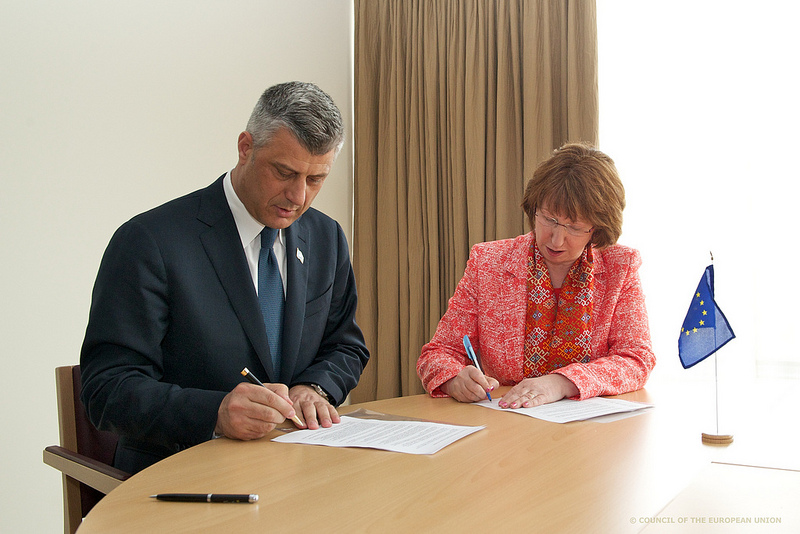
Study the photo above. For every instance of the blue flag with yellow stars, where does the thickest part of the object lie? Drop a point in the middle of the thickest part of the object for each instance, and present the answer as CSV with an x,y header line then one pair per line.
x,y
705,328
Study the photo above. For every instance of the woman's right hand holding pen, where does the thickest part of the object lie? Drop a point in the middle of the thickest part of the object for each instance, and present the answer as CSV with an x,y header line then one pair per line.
x,y
469,385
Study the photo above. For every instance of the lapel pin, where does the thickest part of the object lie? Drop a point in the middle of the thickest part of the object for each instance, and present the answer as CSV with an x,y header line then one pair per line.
x,y
300,256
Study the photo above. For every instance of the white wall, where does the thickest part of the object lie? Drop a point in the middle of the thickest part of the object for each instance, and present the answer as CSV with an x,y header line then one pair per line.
x,y
699,109
108,109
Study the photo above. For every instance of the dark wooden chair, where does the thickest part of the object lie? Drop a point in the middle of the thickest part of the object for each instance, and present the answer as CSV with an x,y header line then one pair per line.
x,y
85,455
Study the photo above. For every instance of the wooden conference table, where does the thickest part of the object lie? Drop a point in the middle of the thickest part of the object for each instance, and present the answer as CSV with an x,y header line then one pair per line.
x,y
518,472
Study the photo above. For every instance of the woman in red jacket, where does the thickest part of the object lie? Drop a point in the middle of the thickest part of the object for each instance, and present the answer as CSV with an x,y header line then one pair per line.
x,y
558,312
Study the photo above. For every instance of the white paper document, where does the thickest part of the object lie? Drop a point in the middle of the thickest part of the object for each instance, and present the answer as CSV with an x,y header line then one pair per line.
x,y
412,437
567,410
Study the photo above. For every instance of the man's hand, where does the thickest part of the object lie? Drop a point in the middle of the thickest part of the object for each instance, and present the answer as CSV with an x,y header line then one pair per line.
x,y
250,411
314,410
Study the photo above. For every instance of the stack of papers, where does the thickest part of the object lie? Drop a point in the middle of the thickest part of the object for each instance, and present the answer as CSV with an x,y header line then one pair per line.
x,y
567,410
412,437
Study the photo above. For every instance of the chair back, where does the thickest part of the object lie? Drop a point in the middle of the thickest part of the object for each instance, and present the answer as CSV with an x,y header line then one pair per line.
x,y
78,435
96,444
85,456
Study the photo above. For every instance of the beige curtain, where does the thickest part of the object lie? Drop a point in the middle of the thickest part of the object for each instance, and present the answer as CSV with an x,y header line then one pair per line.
x,y
456,101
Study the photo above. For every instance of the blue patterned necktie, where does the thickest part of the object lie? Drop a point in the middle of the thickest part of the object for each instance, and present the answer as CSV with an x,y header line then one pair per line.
x,y
270,296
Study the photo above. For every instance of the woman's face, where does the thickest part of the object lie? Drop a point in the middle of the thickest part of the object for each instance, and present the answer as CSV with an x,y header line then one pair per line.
x,y
560,240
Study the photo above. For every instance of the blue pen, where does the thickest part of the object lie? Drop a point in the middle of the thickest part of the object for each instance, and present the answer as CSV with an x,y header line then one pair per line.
x,y
471,356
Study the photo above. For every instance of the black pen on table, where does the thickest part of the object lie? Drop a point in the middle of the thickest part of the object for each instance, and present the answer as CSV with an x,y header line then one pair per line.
x,y
207,497
253,380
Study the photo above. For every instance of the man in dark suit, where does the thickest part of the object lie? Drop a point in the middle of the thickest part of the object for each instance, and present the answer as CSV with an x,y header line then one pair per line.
x,y
176,313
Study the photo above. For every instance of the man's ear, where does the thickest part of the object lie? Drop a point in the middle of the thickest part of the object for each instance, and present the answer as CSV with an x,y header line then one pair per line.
x,y
245,146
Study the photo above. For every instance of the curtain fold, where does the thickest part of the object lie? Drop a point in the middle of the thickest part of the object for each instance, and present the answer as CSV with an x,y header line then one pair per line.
x,y
456,102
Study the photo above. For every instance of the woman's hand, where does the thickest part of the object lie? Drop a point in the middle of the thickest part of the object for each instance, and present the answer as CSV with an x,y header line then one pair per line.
x,y
537,391
470,385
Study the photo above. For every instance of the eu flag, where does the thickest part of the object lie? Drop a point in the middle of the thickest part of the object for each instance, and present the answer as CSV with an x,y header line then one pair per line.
x,y
705,328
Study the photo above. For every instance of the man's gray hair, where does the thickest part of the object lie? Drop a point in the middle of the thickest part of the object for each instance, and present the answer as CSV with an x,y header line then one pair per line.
x,y
305,110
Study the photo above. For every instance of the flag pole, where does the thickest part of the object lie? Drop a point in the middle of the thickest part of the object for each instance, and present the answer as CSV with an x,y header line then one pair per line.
x,y
716,385
716,439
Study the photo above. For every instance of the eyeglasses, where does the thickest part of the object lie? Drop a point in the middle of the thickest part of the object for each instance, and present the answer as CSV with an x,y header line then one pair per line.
x,y
550,222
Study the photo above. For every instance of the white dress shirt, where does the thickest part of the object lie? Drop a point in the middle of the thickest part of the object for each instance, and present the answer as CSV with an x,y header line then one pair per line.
x,y
250,234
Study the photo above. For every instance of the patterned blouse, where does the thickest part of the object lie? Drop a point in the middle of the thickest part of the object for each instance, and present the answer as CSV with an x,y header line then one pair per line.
x,y
489,306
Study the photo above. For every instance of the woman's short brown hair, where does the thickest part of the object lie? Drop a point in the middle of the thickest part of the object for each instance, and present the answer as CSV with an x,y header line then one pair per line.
x,y
579,182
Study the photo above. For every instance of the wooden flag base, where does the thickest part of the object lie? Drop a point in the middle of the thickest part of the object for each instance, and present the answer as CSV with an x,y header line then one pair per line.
x,y
717,439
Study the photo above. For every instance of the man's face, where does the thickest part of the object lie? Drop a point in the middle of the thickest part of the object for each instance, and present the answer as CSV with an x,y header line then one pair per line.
x,y
278,182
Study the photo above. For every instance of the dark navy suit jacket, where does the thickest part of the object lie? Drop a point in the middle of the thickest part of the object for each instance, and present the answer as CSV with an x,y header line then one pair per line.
x,y
175,318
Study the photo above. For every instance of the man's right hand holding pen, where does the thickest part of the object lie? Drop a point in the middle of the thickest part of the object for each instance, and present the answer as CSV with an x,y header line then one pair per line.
x,y
251,412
